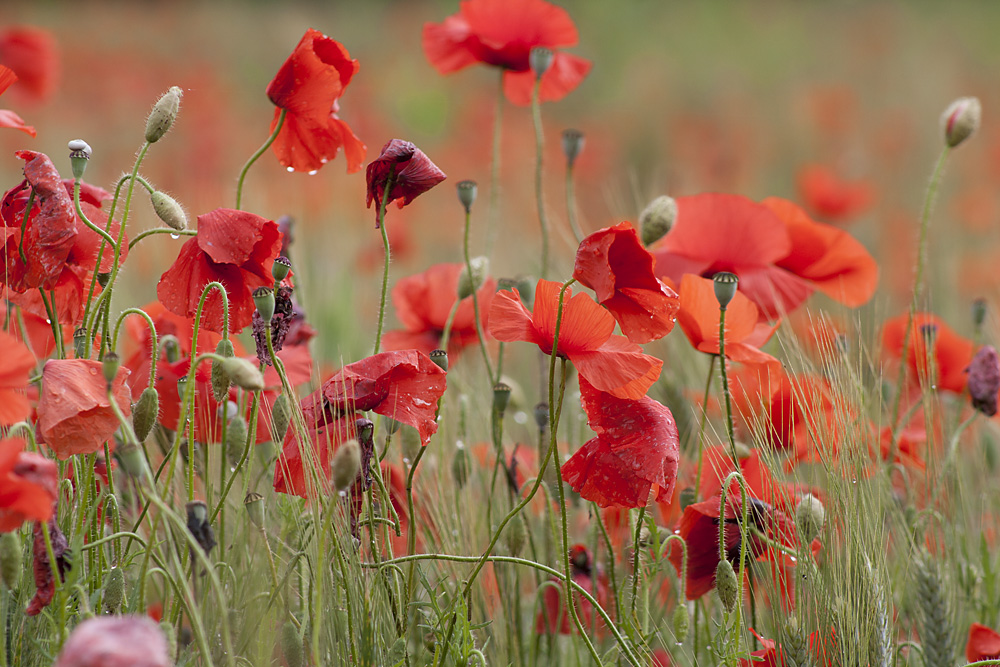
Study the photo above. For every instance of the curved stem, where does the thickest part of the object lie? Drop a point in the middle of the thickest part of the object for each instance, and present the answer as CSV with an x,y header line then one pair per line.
x,y
635,560
385,266
701,428
154,350
256,156
161,230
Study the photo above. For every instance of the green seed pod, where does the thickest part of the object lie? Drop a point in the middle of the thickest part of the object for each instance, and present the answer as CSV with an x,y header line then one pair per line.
x,y
540,60
110,365
79,156
168,210
254,505
163,115
236,438
467,194
682,621
345,465
501,397
10,559
516,535
460,467
810,516
220,379
263,299
440,357
725,284
282,265
572,145
144,412
726,585
114,590
291,645
281,415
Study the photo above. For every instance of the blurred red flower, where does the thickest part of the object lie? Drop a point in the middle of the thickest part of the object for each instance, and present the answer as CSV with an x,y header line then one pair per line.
x,y
17,364
935,354
31,53
423,302
636,449
502,33
412,172
614,263
830,197
554,614
28,485
74,412
984,643
7,117
307,87
232,247
610,363
769,656
115,641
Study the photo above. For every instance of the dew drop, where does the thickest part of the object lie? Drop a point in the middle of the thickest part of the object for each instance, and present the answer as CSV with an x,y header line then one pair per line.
x,y
454,533
48,321
521,417
314,172
175,236
290,170
342,494
406,461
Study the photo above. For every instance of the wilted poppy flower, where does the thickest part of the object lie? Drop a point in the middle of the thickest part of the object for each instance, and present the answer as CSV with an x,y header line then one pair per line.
x,y
15,367
74,413
307,87
412,173
984,643
554,614
984,380
28,485
614,263
232,247
115,641
423,302
31,53
502,33
45,586
936,354
7,117
830,197
636,449
610,363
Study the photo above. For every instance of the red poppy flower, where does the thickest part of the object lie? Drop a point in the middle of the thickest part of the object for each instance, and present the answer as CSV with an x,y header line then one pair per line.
x,y
307,87
769,656
28,485
636,448
984,643
502,33
553,611
31,53
413,174
9,118
292,471
423,302
74,413
613,262
232,247
17,364
936,354
830,197
610,363
115,641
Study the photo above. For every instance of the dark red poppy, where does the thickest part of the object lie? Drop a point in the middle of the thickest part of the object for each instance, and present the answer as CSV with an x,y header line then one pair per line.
x,y
74,413
31,53
45,586
984,643
412,172
554,614
307,87
610,363
636,450
830,197
423,302
28,485
984,380
7,117
17,364
232,247
614,263
115,641
936,354
502,33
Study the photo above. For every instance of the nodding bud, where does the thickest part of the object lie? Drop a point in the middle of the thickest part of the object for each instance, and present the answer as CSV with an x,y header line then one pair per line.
x,y
220,379
725,284
79,156
144,413
243,373
540,60
682,621
168,210
80,339
440,357
280,269
657,219
467,191
984,380
460,466
726,585
109,365
292,646
960,120
978,312
10,559
345,465
163,114
516,535
263,298
281,415
542,416
132,459
470,281
254,505
171,348
572,145
114,590
236,438
501,397
810,515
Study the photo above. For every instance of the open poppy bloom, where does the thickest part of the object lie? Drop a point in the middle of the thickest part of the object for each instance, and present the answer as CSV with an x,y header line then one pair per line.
x,y
936,354
984,643
31,53
613,262
830,197
115,641
74,413
307,87
610,363
17,364
232,247
553,616
423,302
412,173
636,449
502,33
7,117
28,485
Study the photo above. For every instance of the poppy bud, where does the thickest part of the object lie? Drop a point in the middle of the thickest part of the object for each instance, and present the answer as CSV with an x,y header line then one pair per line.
x,y
109,365
572,145
79,156
540,60
163,114
467,191
345,465
103,278
682,620
984,380
243,373
280,268
542,416
810,516
281,415
236,438
220,379
168,210
463,416
144,412
171,348
80,338
114,590
170,635
657,219
501,397
131,459
726,585
960,120
440,357
978,312
266,452
516,535
470,282
291,645
725,284
460,466
197,523
254,505
10,559
263,298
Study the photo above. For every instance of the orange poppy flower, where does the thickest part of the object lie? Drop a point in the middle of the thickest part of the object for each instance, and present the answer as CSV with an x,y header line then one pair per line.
x,y
74,412
610,363
28,485
17,364
830,197
31,53
934,348
7,117
614,263
983,644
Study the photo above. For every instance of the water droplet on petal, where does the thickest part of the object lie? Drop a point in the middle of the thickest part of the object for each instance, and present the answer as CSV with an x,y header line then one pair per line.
x,y
48,321
290,170
314,172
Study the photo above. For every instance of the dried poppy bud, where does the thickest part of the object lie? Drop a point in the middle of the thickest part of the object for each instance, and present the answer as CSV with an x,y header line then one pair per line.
x,y
168,210
810,516
682,620
163,114
540,60
263,299
254,505
10,559
501,397
145,412
470,281
960,120
281,415
114,590
280,268
460,466
467,194
726,585
198,525
220,379
572,145
657,219
984,380
725,285
440,357
236,438
243,373
79,156
109,366
345,465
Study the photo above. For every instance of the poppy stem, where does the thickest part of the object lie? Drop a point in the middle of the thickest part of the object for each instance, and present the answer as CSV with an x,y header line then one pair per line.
x,y
635,561
611,553
475,302
571,209
390,181
701,428
253,158
536,116
153,341
161,230
446,332
494,212
57,581
725,388
54,323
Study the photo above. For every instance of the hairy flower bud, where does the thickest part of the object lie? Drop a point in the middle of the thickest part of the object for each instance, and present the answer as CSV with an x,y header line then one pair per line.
x,y
220,379
163,114
236,438
460,466
114,590
132,459
144,412
960,120
243,373
516,535
810,516
168,210
291,645
682,621
657,219
281,415
726,585
110,365
345,465
10,559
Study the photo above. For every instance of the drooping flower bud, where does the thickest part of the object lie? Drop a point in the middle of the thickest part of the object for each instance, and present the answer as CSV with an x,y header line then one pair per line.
x,y
163,114
540,60
470,282
254,505
501,397
440,357
220,379
10,559
467,191
281,415
682,621
145,412
168,210
657,219
960,120
726,585
243,373
572,145
725,284
291,645
345,465
114,590
460,466
280,268
109,365
984,380
516,535
263,298
132,459
236,438
79,156
810,516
